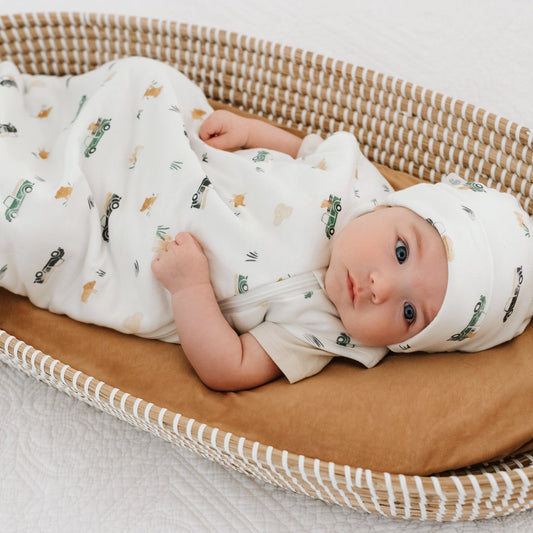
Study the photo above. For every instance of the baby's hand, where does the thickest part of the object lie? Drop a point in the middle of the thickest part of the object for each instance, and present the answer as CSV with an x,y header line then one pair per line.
x,y
182,265
225,130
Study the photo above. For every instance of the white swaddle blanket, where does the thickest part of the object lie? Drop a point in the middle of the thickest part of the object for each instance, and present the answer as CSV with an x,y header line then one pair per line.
x,y
101,170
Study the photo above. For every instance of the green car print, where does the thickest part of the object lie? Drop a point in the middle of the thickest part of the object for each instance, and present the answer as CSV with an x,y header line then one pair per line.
x,y
474,186
241,284
471,329
344,340
97,132
261,156
333,211
14,203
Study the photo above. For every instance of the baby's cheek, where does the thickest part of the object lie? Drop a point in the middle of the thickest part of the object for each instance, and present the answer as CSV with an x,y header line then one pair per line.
x,y
370,326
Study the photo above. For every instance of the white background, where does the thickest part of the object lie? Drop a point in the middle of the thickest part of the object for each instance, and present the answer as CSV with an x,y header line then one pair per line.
x,y
65,466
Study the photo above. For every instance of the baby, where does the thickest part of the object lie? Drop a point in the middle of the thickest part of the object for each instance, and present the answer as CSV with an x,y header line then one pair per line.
x,y
286,252
433,269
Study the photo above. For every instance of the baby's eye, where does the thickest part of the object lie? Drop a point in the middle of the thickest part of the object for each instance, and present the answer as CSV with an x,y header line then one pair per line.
x,y
402,253
409,313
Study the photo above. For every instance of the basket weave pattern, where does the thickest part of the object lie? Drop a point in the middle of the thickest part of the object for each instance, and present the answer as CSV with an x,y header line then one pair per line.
x,y
401,125
398,124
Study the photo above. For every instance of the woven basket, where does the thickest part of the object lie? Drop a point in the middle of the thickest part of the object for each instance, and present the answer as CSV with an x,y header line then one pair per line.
x,y
400,125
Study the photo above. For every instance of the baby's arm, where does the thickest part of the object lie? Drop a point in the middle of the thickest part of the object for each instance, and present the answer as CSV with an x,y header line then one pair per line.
x,y
227,131
222,359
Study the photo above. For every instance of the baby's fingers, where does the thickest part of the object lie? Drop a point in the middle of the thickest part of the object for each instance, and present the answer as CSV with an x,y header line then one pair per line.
x,y
220,142
184,238
212,126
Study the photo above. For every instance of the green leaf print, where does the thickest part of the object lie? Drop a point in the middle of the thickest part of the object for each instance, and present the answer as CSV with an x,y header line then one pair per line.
x,y
162,232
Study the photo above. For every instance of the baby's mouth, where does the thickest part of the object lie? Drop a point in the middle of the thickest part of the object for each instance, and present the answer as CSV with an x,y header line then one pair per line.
x,y
351,287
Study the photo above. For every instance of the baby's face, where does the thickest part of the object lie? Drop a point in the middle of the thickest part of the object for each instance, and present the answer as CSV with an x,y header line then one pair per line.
x,y
387,276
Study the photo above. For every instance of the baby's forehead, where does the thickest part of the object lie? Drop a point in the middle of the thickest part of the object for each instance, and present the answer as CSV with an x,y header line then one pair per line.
x,y
402,213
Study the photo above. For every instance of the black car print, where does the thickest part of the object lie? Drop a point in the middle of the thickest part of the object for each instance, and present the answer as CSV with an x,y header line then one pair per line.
x,y
199,197
56,258
112,203
6,129
511,302
7,81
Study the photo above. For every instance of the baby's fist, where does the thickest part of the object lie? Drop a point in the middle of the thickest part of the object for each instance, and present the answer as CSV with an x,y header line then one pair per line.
x,y
182,265
225,130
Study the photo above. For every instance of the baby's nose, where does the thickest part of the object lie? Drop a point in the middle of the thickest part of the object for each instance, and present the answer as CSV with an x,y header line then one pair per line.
x,y
381,287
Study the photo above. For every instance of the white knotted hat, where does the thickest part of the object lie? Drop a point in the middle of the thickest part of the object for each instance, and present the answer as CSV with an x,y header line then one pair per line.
x,y
489,244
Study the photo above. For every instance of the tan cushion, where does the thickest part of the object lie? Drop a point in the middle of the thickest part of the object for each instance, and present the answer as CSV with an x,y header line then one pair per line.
x,y
412,414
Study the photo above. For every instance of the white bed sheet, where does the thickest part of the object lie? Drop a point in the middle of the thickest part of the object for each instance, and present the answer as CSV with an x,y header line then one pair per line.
x,y
65,466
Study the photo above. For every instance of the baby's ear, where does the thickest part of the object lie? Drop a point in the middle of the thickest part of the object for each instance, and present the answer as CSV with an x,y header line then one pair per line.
x,y
453,179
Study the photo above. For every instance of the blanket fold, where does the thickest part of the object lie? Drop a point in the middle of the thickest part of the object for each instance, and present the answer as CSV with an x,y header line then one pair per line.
x,y
101,170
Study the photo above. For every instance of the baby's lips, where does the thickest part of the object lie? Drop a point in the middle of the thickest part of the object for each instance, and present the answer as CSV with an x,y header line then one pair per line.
x,y
351,287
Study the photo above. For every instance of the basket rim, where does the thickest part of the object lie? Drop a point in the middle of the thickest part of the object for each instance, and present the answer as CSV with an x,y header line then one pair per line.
x,y
318,476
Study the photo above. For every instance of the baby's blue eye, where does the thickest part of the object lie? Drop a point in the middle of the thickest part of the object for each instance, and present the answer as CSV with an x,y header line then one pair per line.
x,y
402,253
409,313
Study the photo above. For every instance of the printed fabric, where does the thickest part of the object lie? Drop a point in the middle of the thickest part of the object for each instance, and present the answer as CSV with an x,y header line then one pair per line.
x,y
101,170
